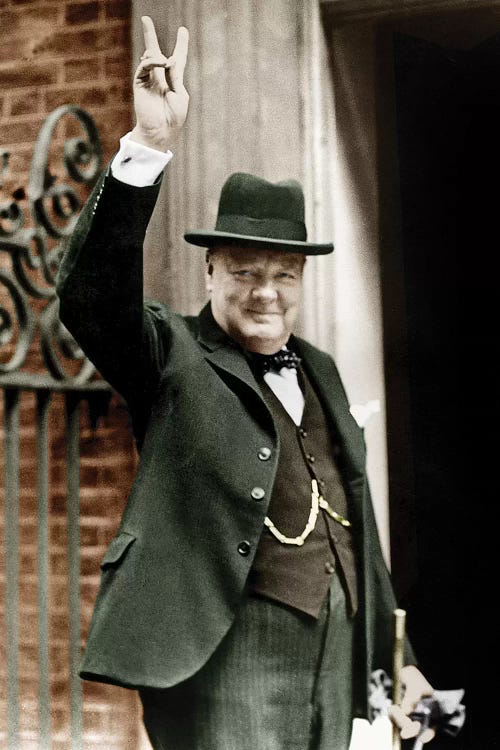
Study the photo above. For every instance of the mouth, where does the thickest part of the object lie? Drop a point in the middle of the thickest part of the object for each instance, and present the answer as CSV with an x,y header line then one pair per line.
x,y
263,312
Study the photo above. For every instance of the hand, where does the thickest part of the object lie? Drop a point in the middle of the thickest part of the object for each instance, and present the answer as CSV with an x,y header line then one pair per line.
x,y
160,99
416,687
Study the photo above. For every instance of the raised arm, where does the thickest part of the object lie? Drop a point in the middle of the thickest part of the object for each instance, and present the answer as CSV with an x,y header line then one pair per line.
x,y
100,279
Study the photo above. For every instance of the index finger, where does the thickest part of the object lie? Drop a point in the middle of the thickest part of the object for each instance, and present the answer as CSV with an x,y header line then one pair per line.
x,y
413,695
150,39
179,57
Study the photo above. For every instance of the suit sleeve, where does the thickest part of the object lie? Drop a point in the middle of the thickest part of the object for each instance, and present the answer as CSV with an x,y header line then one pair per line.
x,y
100,288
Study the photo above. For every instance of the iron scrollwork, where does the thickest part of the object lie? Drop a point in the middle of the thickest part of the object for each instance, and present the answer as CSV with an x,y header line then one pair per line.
x,y
30,255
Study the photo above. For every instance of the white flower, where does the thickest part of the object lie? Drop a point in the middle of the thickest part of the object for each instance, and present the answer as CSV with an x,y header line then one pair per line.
x,y
363,412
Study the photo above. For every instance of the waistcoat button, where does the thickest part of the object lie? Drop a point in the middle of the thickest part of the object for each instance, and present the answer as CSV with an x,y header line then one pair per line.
x,y
244,548
257,493
264,454
329,567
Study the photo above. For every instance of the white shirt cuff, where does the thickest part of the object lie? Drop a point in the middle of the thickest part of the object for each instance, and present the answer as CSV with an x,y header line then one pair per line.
x,y
138,165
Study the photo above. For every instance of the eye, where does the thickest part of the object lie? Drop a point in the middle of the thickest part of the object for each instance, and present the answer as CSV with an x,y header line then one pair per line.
x,y
287,275
242,272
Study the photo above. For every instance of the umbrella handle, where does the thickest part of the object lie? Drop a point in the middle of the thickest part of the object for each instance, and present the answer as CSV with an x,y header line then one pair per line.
x,y
398,643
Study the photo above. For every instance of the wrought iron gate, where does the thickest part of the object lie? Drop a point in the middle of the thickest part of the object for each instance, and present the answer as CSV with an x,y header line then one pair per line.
x,y
39,356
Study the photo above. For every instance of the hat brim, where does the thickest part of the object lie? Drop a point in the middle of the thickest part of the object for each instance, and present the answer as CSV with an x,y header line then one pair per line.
x,y
209,239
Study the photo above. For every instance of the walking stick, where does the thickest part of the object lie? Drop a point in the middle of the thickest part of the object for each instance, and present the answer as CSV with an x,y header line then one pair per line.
x,y
442,711
399,619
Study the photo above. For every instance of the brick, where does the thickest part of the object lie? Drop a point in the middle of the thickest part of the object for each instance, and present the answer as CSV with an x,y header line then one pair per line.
x,y
27,626
81,13
88,593
84,97
14,76
28,533
114,67
82,69
90,565
90,97
28,103
58,592
33,21
89,536
20,131
58,534
28,590
27,31
28,688
27,560
118,9
28,652
81,41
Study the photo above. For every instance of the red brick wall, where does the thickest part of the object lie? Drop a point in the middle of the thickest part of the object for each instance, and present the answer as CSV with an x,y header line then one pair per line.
x,y
56,53
61,52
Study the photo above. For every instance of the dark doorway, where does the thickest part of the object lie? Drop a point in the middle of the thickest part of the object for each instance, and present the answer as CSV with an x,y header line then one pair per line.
x,y
448,134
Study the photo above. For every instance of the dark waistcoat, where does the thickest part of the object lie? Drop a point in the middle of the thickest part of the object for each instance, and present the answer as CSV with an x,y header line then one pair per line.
x,y
299,576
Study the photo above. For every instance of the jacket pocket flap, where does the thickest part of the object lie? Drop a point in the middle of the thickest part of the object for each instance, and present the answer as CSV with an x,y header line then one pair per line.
x,y
119,545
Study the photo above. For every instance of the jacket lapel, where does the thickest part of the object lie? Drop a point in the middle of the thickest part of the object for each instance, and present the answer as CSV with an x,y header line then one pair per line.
x,y
223,353
324,375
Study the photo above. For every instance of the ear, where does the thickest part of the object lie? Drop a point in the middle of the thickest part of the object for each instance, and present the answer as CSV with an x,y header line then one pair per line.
x,y
209,284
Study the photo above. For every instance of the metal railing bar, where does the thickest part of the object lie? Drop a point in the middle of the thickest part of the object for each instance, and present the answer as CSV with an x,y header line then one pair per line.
x,y
73,515
11,449
42,422
27,381
31,238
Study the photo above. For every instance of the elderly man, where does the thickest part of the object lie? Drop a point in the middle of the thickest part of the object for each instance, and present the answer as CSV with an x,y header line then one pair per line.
x,y
245,595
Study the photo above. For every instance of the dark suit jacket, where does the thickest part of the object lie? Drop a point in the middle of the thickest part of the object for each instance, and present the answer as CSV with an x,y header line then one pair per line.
x,y
173,576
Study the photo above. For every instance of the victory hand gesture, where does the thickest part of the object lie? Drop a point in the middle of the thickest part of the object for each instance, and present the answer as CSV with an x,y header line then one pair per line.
x,y
160,99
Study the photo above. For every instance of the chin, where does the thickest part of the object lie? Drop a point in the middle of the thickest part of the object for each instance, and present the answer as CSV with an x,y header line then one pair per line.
x,y
263,342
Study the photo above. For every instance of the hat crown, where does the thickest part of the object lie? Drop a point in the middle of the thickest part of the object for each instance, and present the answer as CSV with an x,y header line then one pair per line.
x,y
253,207
253,197
256,213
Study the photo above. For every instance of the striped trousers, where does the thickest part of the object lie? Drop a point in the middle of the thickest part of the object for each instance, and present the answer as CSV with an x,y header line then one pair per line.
x,y
280,680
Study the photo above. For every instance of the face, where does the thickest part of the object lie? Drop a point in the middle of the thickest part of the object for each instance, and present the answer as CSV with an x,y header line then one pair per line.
x,y
255,295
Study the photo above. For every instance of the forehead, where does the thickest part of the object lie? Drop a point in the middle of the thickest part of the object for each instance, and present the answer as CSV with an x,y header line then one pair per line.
x,y
242,256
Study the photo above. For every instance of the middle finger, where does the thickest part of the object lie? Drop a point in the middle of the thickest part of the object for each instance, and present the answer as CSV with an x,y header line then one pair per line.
x,y
150,39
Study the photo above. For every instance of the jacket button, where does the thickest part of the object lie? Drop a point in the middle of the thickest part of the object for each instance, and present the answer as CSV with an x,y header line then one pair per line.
x,y
257,493
329,567
264,454
244,548
310,458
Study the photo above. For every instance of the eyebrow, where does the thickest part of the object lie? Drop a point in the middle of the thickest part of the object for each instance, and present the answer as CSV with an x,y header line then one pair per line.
x,y
287,265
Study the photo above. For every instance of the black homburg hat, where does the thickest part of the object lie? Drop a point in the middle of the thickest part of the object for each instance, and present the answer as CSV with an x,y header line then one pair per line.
x,y
260,214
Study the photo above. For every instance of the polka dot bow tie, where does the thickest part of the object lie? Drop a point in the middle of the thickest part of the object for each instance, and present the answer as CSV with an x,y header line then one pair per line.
x,y
274,362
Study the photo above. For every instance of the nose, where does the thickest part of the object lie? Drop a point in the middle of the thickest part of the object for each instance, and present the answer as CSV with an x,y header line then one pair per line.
x,y
265,292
